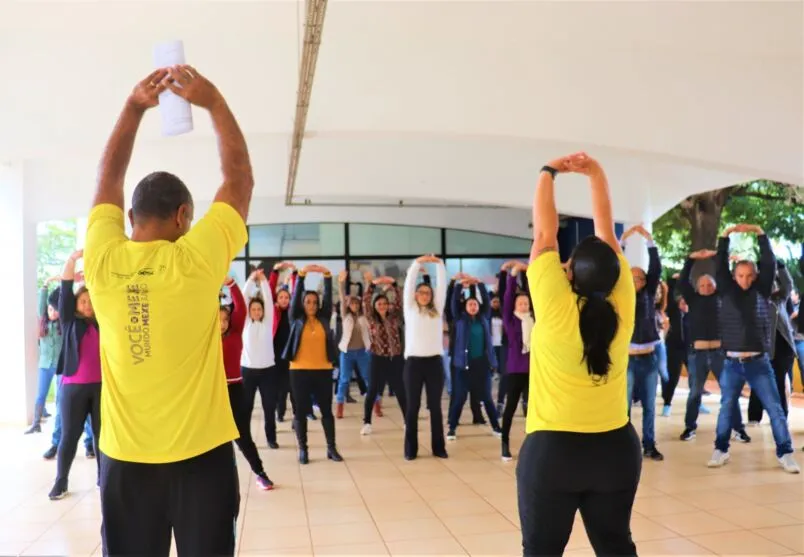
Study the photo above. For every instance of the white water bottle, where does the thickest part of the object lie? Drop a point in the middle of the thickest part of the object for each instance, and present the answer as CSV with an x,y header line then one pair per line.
x,y
176,113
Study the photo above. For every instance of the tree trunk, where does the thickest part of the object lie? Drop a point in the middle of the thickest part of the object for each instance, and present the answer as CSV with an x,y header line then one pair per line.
x,y
703,211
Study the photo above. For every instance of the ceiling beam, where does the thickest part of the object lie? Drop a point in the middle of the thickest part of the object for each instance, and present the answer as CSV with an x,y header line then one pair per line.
x,y
315,10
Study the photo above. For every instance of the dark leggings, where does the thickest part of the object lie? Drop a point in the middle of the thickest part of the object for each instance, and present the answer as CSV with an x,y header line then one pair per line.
x,y
384,370
76,402
283,378
267,381
676,357
517,384
243,421
559,473
782,365
307,385
427,373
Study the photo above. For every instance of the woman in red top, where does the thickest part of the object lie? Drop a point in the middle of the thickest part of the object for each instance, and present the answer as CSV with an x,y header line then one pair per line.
x,y
232,322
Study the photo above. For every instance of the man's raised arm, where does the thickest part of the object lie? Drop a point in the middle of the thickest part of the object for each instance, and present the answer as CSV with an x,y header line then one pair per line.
x,y
238,179
117,154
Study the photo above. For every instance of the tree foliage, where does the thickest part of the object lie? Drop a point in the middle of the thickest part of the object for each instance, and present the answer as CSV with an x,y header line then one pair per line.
x,y
697,220
55,240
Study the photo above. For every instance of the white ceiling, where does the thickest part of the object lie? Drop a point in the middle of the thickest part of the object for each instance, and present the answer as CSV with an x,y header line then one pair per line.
x,y
442,101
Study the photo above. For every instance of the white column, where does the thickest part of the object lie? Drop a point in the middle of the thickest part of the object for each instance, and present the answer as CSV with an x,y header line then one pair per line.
x,y
635,248
18,283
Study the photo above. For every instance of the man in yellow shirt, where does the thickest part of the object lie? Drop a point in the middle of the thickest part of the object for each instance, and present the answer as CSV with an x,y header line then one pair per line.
x,y
167,462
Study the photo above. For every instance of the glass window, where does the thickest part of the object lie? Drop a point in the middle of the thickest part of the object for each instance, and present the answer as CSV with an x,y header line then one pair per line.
x,y
388,239
464,242
296,240
238,270
394,268
484,269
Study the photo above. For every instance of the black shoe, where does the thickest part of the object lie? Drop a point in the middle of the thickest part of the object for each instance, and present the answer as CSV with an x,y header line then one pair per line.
x,y
36,428
304,458
312,417
59,491
280,417
506,452
350,399
653,454
46,414
50,454
688,435
264,482
273,445
90,452
481,421
440,454
334,455
413,456
741,436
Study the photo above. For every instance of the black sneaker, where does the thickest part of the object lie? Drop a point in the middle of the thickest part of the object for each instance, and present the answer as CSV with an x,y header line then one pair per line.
x,y
264,482
653,454
688,435
350,399
273,445
50,454
741,436
312,417
33,429
451,435
59,491
481,421
440,454
90,453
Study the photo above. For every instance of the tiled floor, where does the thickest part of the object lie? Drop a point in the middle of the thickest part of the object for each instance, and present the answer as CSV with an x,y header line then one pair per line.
x,y
377,504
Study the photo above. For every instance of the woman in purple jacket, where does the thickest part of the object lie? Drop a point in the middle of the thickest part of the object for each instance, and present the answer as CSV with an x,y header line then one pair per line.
x,y
518,323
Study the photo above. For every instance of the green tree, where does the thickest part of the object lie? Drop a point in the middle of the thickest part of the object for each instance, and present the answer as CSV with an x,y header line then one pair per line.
x,y
696,221
55,241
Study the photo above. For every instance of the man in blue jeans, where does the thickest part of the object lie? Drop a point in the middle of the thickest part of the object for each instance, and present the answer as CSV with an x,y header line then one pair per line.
x,y
50,454
746,331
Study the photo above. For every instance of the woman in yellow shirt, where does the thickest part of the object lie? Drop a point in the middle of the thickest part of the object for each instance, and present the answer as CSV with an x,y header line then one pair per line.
x,y
581,452
310,352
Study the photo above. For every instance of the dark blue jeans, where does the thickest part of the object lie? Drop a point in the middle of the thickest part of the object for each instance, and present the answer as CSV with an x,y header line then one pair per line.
x,y
760,377
477,380
700,363
643,373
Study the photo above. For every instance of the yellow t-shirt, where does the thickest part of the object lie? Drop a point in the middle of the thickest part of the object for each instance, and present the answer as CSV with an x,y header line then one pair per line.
x,y
164,395
563,396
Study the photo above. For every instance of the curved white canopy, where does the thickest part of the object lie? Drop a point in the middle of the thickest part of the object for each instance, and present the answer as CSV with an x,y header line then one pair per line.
x,y
457,102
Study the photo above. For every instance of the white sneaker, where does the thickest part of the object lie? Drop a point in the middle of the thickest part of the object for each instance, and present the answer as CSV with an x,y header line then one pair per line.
x,y
366,429
497,434
451,436
789,464
718,459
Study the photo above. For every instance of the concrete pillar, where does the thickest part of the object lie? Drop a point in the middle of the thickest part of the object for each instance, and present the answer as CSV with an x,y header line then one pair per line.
x,y
18,328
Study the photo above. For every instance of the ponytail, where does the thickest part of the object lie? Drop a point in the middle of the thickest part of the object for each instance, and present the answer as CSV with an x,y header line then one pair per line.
x,y
598,324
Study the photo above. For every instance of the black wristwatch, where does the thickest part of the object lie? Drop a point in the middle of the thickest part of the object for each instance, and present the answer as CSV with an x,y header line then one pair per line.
x,y
551,170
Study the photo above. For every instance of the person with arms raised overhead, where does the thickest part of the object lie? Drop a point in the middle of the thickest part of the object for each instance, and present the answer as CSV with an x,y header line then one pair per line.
x,y
167,462
746,337
581,452
706,352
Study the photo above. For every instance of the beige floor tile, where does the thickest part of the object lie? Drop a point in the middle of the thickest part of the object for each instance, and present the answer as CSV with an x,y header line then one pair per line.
x,y
345,534
281,552
401,511
501,544
479,524
709,499
674,546
416,529
269,539
70,545
769,494
376,548
338,515
645,529
699,522
464,506
788,536
22,532
755,516
796,510
661,506
740,543
442,546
